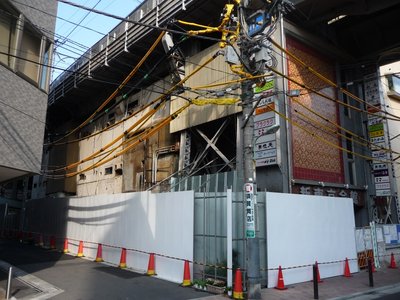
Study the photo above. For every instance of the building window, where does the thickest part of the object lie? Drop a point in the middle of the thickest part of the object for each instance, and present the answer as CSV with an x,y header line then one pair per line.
x,y
7,35
350,159
349,146
352,172
131,106
44,72
108,171
345,107
23,47
111,119
29,54
394,83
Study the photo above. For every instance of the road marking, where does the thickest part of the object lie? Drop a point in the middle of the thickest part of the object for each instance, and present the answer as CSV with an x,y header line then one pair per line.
x,y
45,289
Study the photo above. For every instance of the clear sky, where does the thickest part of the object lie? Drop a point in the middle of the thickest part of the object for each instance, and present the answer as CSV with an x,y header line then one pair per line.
x,y
72,40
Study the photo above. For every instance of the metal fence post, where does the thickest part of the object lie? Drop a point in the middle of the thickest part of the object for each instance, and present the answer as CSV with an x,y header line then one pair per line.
x,y
8,291
371,276
315,281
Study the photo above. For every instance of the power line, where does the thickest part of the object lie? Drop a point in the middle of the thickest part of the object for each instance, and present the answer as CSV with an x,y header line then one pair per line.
x,y
70,16
55,16
295,59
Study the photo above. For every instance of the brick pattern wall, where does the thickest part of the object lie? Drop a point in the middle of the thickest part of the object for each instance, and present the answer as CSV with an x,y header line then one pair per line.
x,y
313,159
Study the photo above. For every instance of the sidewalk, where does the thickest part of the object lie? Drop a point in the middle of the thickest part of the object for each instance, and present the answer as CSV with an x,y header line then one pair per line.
x,y
336,288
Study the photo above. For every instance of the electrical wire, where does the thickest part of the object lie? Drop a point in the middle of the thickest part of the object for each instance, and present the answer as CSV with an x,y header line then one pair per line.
x,y
112,96
57,17
335,133
137,125
360,139
77,25
148,134
136,22
329,97
326,80
163,97
318,137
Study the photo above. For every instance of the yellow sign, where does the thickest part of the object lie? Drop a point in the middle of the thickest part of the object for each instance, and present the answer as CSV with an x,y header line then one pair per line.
x,y
376,133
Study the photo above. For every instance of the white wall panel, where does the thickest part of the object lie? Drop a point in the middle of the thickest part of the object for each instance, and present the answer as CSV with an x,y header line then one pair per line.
x,y
158,223
303,229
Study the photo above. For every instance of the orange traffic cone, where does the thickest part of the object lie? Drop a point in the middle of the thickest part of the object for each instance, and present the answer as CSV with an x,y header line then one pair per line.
x,y
151,267
52,242
238,287
122,261
80,249
392,262
99,256
346,269
318,277
66,246
281,282
186,274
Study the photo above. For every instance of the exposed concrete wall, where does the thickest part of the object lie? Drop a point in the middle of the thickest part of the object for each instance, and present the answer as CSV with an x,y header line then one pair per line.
x,y
132,171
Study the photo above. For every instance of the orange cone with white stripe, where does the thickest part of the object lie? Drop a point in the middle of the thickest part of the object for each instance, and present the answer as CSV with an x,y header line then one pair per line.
x,y
186,274
99,256
281,283
151,267
65,250
80,249
122,262
238,286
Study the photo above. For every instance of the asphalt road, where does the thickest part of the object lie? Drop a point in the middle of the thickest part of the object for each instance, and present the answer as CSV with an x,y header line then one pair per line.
x,y
83,279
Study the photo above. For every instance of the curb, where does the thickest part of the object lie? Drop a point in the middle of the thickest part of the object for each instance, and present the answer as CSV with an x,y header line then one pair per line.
x,y
374,293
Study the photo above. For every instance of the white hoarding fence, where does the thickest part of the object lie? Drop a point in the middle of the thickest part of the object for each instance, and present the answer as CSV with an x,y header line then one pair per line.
x,y
303,229
142,223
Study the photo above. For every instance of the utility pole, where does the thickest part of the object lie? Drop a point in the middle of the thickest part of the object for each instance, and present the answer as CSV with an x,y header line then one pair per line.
x,y
250,192
256,24
249,173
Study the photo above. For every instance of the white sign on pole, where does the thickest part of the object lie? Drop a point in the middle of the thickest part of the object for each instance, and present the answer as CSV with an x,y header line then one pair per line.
x,y
381,179
250,216
383,193
382,186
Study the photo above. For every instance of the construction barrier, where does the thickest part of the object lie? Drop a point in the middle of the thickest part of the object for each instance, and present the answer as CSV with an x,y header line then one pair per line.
x,y
151,270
